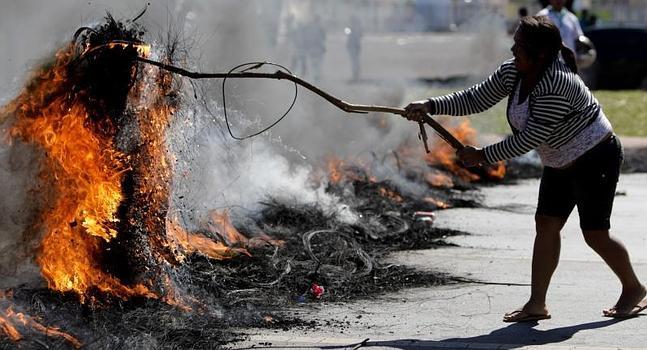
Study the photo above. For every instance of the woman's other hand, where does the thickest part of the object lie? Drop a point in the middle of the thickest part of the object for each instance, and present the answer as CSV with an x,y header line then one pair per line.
x,y
416,110
471,156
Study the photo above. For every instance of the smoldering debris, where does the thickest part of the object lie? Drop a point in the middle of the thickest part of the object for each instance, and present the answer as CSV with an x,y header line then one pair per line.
x,y
347,260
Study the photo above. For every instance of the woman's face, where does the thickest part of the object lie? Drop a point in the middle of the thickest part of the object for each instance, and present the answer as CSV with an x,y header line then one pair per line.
x,y
522,59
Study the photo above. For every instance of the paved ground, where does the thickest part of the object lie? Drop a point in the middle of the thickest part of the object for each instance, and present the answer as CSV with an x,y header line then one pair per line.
x,y
497,253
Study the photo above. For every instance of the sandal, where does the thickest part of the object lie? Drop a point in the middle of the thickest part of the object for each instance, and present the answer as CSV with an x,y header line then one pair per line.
x,y
613,312
523,316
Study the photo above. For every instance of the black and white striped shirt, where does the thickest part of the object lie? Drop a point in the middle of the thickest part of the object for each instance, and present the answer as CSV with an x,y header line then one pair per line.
x,y
560,107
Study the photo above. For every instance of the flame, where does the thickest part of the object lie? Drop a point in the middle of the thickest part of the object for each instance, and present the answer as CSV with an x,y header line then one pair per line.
x,y
444,155
496,171
27,321
8,329
439,179
340,170
197,243
437,203
9,319
80,175
220,223
143,49
392,195
335,171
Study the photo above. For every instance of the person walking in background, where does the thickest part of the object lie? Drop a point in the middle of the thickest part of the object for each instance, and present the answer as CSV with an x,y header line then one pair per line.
x,y
521,13
354,34
296,44
315,45
566,21
552,111
587,19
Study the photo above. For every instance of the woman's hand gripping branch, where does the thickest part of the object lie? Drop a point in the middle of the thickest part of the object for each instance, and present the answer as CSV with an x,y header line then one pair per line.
x,y
470,156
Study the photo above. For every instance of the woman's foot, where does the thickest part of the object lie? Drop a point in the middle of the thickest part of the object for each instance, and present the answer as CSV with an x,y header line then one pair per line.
x,y
529,312
630,303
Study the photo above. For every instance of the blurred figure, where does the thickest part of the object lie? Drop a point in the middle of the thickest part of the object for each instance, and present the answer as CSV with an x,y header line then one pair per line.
x,y
354,34
521,13
593,20
296,41
567,23
315,45
587,19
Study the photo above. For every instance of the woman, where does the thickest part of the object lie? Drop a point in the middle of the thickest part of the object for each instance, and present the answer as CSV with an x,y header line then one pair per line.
x,y
552,111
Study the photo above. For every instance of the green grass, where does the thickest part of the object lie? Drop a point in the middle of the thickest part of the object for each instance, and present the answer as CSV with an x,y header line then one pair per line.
x,y
626,109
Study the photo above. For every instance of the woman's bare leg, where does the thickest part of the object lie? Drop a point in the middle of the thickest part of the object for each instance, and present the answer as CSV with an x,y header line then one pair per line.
x,y
545,257
614,253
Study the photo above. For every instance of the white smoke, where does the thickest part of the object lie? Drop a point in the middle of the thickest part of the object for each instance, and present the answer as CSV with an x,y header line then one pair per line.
x,y
214,171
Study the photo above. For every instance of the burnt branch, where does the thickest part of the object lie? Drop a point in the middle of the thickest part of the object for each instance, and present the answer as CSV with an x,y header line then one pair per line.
x,y
281,75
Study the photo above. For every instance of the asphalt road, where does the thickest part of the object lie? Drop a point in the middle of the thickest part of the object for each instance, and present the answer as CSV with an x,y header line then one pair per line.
x,y
498,254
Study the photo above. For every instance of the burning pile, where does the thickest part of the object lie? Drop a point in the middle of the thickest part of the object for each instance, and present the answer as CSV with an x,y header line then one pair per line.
x,y
103,231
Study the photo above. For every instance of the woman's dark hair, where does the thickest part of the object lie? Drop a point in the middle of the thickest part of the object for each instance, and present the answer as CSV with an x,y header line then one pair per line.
x,y
542,36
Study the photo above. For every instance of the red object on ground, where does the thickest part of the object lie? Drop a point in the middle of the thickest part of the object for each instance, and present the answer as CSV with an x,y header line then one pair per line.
x,y
316,290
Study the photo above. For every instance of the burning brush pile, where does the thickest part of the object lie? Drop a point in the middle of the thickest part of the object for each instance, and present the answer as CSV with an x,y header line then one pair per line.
x,y
122,270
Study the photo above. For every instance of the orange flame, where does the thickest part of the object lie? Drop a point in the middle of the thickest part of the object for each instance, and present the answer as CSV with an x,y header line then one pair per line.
x,y
444,155
439,179
142,48
9,330
33,324
340,170
335,170
9,319
436,202
80,176
196,243
496,171
386,193
219,222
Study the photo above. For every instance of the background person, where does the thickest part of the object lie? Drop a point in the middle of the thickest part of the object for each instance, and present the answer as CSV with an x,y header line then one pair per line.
x,y
354,33
553,112
315,45
566,21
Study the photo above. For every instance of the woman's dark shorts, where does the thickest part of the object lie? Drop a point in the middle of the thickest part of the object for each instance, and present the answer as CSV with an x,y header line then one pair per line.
x,y
590,183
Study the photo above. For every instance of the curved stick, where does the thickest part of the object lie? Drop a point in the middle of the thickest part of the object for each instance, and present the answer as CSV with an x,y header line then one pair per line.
x,y
339,103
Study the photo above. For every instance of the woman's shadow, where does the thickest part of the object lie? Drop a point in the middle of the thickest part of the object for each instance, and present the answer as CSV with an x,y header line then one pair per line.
x,y
516,335
526,334
513,336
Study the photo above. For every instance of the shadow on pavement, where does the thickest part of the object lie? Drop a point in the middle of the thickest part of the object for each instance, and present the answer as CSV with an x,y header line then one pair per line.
x,y
513,336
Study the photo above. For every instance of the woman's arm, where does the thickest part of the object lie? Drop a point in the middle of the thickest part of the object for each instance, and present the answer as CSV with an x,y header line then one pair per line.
x,y
473,100
479,97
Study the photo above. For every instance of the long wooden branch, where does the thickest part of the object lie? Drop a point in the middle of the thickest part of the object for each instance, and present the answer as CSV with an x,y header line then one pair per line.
x,y
341,104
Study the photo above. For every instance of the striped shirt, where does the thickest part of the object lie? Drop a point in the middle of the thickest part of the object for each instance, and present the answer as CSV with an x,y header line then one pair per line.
x,y
560,106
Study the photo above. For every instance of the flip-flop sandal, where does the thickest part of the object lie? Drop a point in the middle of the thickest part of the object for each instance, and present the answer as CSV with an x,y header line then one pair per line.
x,y
633,313
522,316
